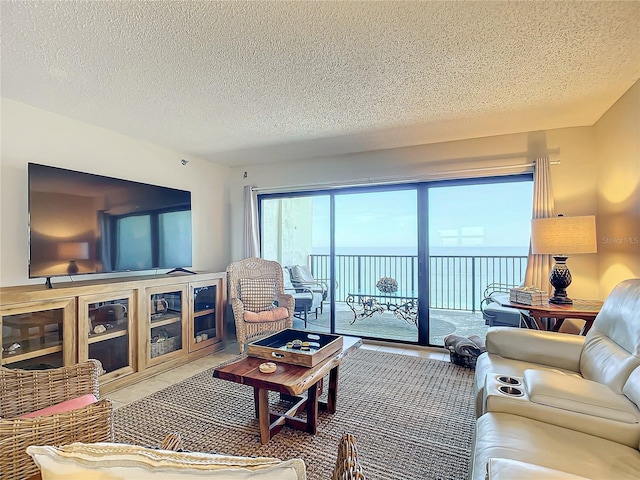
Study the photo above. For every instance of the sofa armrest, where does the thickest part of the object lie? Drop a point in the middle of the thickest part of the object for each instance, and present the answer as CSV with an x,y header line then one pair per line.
x,y
579,395
559,350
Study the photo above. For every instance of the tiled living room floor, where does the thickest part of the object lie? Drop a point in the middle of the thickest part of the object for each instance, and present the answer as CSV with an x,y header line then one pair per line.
x,y
146,387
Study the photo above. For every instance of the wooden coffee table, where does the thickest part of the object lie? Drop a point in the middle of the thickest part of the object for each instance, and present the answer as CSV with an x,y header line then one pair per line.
x,y
291,381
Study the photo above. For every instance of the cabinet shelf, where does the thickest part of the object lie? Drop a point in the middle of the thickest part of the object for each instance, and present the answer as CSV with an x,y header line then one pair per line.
x,y
28,355
165,320
102,337
202,313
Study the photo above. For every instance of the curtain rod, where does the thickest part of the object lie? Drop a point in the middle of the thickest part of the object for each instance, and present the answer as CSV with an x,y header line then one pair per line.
x,y
392,180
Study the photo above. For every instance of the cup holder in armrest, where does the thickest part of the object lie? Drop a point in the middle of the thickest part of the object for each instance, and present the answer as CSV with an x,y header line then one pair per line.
x,y
509,390
508,380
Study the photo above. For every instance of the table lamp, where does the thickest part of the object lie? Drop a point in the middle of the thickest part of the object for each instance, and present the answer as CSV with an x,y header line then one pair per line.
x,y
73,251
560,236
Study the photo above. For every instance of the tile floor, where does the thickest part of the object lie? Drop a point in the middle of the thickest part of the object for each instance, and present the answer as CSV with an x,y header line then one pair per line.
x,y
151,385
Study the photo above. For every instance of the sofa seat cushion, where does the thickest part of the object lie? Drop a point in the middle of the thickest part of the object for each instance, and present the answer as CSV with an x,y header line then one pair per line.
x,y
63,407
112,461
274,315
579,395
502,435
505,469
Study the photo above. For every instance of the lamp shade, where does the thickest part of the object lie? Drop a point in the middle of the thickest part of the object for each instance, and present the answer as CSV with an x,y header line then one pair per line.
x,y
564,235
73,251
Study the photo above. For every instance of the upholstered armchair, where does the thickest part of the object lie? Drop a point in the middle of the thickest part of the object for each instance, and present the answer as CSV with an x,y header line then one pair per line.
x,y
49,407
256,295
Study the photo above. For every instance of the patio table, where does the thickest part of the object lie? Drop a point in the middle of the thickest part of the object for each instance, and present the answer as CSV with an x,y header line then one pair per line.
x,y
404,305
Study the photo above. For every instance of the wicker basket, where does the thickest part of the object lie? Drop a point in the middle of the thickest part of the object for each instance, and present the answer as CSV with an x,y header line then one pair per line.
x,y
468,361
169,345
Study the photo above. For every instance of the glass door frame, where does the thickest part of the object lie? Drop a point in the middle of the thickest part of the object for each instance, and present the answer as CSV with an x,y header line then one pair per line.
x,y
422,190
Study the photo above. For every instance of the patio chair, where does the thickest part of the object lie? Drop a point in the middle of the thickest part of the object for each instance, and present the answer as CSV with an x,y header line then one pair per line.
x,y
24,392
258,300
495,315
306,299
301,277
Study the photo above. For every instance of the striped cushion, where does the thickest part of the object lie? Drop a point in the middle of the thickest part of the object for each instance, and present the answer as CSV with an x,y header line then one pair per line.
x,y
257,294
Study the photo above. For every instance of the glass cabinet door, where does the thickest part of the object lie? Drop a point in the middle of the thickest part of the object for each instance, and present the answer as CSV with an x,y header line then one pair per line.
x,y
206,323
38,336
105,332
166,329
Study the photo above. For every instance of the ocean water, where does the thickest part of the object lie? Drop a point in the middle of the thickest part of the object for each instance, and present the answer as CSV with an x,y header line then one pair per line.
x,y
477,251
456,280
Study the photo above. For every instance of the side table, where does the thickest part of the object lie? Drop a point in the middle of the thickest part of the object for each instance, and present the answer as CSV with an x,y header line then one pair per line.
x,y
586,310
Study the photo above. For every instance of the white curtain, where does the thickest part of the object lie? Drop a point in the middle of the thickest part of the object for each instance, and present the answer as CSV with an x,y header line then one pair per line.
x,y
539,266
251,232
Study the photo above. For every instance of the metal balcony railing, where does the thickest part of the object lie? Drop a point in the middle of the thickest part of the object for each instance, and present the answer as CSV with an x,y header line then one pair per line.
x,y
455,282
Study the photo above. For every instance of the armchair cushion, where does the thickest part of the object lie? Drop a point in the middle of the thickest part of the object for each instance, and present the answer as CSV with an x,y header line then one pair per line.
x,y
63,407
257,294
273,315
110,461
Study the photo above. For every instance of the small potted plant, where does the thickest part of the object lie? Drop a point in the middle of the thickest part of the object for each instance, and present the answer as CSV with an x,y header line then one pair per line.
x,y
387,285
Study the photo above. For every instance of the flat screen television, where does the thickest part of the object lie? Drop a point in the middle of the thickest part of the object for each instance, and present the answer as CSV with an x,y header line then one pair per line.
x,y
81,223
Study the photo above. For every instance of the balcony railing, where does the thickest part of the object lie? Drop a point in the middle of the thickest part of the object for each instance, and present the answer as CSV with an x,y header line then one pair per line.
x,y
455,282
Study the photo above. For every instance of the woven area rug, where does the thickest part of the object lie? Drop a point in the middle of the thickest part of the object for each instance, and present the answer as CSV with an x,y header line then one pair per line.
x,y
412,419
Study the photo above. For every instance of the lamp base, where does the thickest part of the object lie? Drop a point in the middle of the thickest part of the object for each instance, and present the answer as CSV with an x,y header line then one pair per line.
x,y
560,300
72,268
560,279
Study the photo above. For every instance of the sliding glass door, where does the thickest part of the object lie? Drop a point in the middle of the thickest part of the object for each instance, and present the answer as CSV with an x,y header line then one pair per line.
x,y
376,268
406,263
478,240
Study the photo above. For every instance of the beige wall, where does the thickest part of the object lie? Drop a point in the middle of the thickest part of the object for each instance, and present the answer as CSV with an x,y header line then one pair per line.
x,y
34,135
599,174
618,191
574,180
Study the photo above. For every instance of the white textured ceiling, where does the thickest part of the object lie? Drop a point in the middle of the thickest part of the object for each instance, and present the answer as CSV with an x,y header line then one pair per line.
x,y
249,82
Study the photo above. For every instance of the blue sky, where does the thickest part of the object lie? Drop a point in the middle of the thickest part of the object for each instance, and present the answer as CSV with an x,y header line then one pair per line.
x,y
487,215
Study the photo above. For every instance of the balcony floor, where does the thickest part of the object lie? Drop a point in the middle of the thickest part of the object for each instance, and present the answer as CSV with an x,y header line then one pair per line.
x,y
386,326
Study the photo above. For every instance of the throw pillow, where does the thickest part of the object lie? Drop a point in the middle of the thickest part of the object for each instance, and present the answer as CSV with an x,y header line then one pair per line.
x,y
111,461
63,407
257,294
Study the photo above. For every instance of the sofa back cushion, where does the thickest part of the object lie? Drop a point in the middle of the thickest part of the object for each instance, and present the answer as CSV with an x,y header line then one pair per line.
x,y
612,347
632,388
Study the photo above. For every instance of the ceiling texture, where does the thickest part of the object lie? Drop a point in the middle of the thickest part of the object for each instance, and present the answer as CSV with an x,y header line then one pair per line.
x,y
241,83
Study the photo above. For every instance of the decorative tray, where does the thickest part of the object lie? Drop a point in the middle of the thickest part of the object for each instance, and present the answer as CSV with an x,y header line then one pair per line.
x,y
282,347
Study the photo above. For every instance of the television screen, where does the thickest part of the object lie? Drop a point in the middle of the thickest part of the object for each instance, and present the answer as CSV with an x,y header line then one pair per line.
x,y
83,223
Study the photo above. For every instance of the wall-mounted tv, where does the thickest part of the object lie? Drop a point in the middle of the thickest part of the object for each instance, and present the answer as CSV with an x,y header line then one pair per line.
x,y
81,223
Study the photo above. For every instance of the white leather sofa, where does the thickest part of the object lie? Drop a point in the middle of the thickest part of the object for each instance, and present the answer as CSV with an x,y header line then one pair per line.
x,y
552,405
